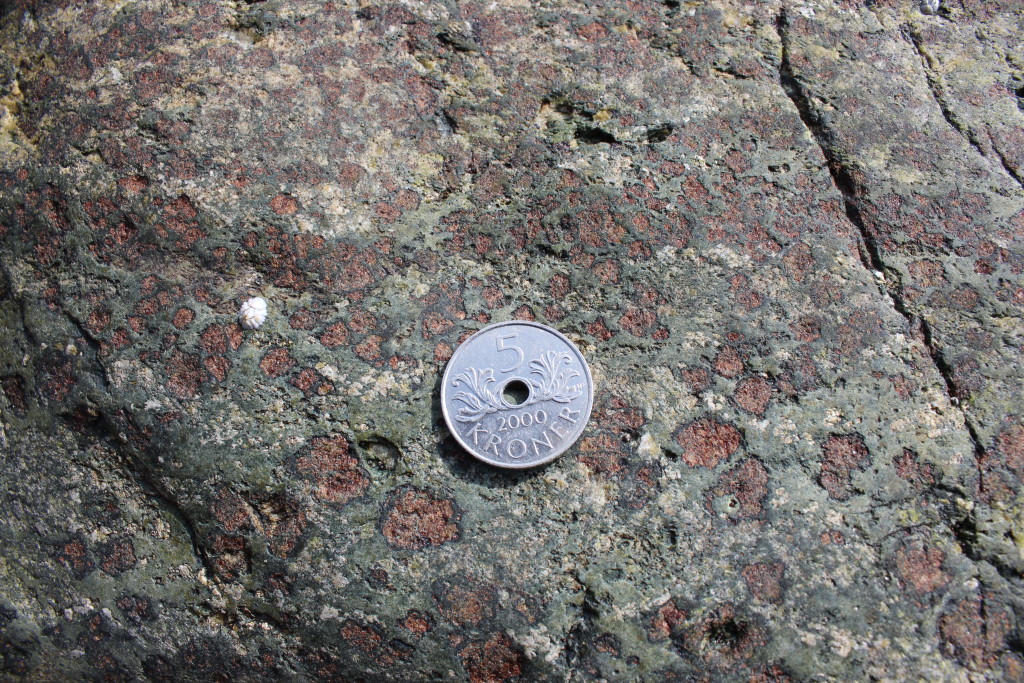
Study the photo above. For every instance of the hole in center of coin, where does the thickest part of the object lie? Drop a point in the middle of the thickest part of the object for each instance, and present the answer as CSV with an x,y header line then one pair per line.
x,y
515,392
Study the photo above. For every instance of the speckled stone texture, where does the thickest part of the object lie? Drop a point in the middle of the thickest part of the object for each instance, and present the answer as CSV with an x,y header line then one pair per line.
x,y
788,236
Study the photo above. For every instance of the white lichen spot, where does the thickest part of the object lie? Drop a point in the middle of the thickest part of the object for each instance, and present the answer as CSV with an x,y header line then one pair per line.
x,y
780,498
666,254
964,504
930,7
761,425
556,480
125,374
649,448
539,642
733,258
842,643
714,402
371,386
331,372
253,313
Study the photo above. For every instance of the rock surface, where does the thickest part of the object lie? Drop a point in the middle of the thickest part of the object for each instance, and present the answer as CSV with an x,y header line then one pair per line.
x,y
788,236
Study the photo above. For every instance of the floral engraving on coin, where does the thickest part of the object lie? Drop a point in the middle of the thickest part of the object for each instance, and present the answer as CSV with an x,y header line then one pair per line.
x,y
484,397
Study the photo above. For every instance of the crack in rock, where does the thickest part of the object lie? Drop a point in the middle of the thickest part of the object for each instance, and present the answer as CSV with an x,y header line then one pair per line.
x,y
913,36
870,255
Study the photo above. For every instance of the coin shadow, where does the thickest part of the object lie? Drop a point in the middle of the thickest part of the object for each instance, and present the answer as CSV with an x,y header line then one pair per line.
x,y
463,465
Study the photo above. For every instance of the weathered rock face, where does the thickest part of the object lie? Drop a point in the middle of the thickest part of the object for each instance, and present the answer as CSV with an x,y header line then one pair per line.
x,y
788,236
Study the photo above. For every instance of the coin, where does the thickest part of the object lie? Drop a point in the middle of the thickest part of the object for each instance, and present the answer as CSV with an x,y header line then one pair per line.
x,y
517,394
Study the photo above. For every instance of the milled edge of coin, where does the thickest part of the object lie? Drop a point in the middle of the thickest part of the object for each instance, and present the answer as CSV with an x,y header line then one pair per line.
x,y
505,465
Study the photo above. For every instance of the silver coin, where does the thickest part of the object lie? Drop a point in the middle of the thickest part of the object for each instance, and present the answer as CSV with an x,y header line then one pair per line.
x,y
517,394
